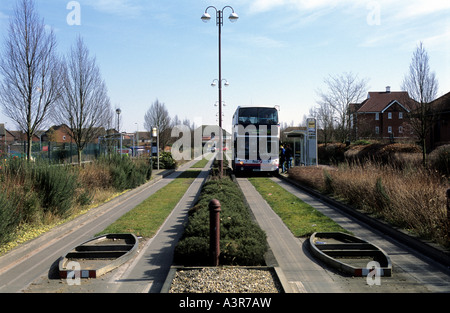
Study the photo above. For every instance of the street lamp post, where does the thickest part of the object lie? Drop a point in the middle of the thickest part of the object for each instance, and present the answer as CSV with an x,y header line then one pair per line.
x,y
155,134
118,111
219,22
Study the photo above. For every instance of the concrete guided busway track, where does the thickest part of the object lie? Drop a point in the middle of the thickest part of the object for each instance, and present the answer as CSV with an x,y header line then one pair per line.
x,y
304,273
27,263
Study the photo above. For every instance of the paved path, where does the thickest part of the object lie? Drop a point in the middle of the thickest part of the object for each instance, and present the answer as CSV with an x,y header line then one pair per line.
x,y
32,261
305,274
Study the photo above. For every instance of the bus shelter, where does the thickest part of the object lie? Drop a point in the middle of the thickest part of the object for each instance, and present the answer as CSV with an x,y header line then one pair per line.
x,y
304,145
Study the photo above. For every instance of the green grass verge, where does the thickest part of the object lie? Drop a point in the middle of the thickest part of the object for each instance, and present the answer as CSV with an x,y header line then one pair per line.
x,y
200,164
301,218
145,219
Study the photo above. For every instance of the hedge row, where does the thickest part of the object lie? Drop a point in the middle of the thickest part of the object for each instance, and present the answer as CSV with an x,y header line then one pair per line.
x,y
242,241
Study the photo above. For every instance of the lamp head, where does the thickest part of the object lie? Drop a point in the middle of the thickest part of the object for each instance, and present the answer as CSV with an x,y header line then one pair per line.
x,y
233,17
206,17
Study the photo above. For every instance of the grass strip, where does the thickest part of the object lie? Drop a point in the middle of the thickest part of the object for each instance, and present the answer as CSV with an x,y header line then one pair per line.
x,y
145,219
200,164
301,218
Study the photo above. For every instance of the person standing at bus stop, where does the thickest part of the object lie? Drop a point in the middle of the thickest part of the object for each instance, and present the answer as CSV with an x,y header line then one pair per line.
x,y
282,158
288,154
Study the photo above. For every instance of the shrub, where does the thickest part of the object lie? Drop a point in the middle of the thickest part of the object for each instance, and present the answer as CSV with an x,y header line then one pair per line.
x,y
56,186
125,173
9,216
440,160
242,241
37,192
166,161
331,153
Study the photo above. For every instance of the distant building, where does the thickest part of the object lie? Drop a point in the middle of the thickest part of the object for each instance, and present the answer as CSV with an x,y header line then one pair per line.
x,y
58,133
383,115
440,132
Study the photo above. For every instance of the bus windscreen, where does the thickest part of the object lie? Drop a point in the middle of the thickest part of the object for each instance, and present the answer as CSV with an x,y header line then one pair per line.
x,y
258,116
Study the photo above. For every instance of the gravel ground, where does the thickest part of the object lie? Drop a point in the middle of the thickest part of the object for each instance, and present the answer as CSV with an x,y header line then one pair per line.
x,y
225,280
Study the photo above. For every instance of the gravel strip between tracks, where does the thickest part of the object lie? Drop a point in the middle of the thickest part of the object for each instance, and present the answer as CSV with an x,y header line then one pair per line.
x,y
225,280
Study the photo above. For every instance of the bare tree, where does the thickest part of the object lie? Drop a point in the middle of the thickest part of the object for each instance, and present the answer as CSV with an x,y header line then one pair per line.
x,y
31,71
422,87
84,102
158,116
324,113
342,90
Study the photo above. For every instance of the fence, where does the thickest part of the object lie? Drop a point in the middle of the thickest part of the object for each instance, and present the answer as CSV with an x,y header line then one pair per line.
x,y
53,151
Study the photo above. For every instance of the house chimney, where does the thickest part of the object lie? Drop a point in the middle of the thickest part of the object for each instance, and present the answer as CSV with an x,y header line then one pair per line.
x,y
388,89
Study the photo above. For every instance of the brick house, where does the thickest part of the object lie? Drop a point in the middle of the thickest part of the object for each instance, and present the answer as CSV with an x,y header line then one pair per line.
x,y
14,136
58,134
383,115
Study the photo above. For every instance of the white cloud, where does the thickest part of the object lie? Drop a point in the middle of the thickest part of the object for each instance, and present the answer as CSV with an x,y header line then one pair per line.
x,y
264,42
417,8
265,5
125,8
438,42
301,5
402,9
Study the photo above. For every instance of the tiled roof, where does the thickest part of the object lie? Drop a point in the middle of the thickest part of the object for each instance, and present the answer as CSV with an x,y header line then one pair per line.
x,y
442,103
378,101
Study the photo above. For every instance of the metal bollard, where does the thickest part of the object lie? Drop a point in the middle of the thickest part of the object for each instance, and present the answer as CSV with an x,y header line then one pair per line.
x,y
214,231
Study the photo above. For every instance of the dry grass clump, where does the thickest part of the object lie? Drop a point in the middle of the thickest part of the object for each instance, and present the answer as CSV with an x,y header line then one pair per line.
x,y
95,176
412,198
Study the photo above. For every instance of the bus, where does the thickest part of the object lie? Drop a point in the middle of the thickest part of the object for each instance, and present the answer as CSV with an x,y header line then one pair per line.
x,y
256,138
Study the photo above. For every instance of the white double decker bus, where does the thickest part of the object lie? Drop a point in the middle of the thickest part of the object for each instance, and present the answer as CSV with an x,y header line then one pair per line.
x,y
256,138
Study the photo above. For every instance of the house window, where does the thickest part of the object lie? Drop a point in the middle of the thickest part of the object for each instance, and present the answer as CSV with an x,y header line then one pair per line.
x,y
400,115
377,116
389,115
377,130
400,129
389,129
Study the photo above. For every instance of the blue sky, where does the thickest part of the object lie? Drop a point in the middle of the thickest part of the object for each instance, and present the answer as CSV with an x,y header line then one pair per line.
x,y
277,53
